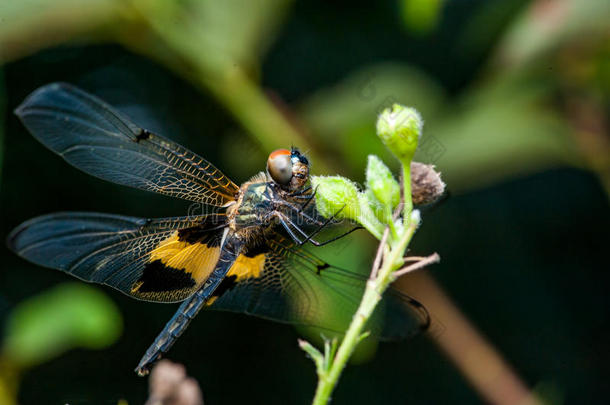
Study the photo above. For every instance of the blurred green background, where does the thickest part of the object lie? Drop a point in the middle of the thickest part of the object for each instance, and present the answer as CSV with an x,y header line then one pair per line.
x,y
515,94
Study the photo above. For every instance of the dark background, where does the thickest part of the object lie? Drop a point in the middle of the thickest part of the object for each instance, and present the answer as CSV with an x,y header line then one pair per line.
x,y
523,256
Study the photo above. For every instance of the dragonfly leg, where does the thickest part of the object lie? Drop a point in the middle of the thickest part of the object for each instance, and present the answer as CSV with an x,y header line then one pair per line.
x,y
299,211
287,223
309,238
326,242
309,198
300,193
284,221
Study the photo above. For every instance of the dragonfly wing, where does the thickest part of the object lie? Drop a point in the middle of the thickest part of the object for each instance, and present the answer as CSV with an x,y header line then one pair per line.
x,y
94,137
285,283
163,260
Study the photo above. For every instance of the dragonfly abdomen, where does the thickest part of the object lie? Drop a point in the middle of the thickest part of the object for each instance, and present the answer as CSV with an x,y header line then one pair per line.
x,y
190,307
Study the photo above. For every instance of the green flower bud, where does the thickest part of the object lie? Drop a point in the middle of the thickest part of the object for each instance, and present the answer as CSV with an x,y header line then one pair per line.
x,y
336,196
400,128
382,184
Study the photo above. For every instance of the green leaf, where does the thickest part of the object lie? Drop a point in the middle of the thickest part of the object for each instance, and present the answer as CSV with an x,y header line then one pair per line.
x,y
2,112
497,132
218,36
421,16
342,117
28,26
370,205
65,317
382,184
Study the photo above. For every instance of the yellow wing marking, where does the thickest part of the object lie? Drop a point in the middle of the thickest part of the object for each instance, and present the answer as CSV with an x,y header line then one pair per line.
x,y
196,259
247,267
244,268
176,268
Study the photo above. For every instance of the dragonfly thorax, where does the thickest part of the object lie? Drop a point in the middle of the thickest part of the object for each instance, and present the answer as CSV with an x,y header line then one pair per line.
x,y
260,203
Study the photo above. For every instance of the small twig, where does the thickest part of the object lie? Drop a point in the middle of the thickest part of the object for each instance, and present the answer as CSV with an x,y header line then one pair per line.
x,y
317,357
414,258
364,335
398,210
433,258
382,243
377,262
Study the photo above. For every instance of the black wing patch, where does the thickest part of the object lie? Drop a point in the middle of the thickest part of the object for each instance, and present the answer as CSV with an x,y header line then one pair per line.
x,y
164,260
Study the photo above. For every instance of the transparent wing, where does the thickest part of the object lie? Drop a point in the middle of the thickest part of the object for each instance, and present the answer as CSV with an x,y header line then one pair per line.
x,y
163,260
285,283
92,136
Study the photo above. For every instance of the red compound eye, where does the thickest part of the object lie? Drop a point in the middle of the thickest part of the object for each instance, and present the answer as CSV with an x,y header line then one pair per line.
x,y
279,166
278,152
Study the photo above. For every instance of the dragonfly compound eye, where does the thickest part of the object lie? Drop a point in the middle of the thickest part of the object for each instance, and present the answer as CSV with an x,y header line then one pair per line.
x,y
279,166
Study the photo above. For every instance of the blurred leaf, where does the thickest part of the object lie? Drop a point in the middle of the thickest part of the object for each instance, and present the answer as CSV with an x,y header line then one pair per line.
x,y
217,45
8,383
28,26
486,25
2,114
343,116
500,131
240,29
220,36
421,16
68,316
355,254
544,25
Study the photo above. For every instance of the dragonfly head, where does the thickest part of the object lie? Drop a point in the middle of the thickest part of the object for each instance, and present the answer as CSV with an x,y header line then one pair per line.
x,y
288,168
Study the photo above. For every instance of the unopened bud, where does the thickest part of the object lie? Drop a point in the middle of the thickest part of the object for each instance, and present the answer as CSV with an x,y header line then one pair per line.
x,y
400,128
336,196
426,184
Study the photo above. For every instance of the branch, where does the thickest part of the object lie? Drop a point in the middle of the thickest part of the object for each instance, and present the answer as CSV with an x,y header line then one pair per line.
x,y
422,262
399,128
375,287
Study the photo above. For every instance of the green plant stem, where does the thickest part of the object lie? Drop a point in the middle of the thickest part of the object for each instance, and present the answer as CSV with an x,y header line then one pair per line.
x,y
406,184
229,84
393,227
256,112
372,295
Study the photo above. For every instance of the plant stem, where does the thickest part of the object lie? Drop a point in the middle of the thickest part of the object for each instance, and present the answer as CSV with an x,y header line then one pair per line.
x,y
406,184
229,84
372,295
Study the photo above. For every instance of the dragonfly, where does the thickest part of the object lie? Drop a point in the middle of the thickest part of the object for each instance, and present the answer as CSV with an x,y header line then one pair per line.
x,y
251,253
